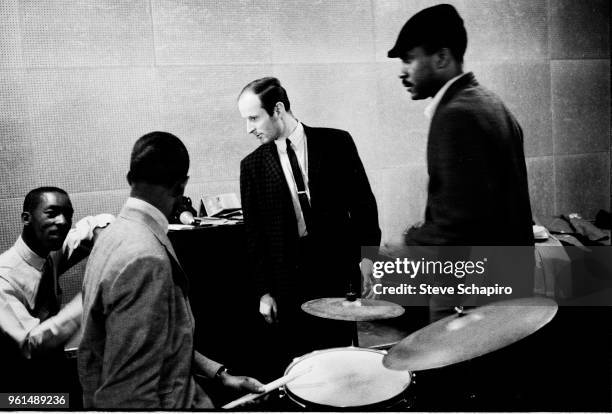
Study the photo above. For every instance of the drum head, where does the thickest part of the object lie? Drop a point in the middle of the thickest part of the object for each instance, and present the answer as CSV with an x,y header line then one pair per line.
x,y
345,377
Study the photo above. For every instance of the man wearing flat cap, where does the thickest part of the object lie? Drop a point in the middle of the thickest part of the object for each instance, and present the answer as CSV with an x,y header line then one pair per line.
x,y
476,164
475,158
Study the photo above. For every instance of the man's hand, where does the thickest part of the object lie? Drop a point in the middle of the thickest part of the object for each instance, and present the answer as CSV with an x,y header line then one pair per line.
x,y
366,267
241,383
267,308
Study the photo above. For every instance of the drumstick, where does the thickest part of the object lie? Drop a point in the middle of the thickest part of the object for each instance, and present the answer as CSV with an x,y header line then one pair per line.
x,y
271,386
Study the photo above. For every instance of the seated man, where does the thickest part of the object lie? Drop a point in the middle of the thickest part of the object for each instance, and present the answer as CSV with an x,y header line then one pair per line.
x,y
137,350
33,329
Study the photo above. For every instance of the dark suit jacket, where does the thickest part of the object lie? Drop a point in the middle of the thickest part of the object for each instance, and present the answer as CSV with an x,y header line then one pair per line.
x,y
344,213
478,192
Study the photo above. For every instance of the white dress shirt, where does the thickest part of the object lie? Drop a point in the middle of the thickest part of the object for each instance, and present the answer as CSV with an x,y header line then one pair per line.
x,y
20,275
298,143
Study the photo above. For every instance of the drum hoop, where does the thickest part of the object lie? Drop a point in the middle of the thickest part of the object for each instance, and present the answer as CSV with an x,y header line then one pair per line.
x,y
301,401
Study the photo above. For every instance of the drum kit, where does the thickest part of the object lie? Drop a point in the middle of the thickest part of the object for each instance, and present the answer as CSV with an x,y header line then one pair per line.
x,y
365,378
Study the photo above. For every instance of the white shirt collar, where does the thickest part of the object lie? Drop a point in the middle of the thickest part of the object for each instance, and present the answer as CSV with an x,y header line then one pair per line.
x,y
433,105
296,137
150,209
28,255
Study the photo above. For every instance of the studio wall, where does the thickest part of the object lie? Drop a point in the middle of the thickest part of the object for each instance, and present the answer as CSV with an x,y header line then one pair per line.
x,y
80,81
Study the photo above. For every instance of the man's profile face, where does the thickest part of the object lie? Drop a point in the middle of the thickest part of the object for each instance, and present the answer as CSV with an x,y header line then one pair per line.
x,y
417,73
51,220
266,128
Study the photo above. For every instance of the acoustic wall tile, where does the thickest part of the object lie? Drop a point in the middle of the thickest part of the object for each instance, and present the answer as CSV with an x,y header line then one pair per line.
x,y
581,106
75,33
199,105
336,96
402,125
508,30
10,229
84,123
582,183
195,32
10,37
580,29
540,172
16,145
404,199
321,31
524,86
497,30
99,202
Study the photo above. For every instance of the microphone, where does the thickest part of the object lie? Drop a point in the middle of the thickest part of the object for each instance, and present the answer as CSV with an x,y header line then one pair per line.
x,y
187,218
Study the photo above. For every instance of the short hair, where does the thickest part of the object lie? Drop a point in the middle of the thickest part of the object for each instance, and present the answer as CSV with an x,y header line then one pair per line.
x,y
33,198
433,28
270,91
159,158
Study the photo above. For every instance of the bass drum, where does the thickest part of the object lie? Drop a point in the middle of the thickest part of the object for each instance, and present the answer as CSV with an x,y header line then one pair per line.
x,y
346,378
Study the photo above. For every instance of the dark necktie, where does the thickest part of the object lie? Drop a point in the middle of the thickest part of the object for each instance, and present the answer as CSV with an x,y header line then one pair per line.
x,y
301,188
46,303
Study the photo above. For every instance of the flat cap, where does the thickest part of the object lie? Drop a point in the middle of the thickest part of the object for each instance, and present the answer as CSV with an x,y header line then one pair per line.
x,y
437,26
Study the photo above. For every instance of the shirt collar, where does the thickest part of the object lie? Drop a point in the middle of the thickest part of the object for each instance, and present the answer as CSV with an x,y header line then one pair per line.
x,y
28,255
149,209
296,137
433,105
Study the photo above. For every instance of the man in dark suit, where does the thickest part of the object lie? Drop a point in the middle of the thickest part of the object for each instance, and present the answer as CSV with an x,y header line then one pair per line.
x,y
308,209
475,159
476,164
477,193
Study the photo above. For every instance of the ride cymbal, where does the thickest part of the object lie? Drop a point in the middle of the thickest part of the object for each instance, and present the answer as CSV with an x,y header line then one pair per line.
x,y
472,333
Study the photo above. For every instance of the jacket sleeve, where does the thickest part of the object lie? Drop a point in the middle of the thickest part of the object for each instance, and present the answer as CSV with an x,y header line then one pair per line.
x,y
362,203
255,239
138,309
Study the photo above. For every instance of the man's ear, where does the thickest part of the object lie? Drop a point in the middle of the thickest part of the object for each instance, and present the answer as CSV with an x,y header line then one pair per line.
x,y
279,108
26,217
443,58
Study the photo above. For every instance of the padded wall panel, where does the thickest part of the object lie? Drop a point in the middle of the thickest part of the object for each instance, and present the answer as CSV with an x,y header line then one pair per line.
x,y
17,149
509,30
402,127
68,33
199,105
524,87
205,32
404,196
580,29
321,31
10,36
84,123
541,185
336,96
581,105
582,183
10,210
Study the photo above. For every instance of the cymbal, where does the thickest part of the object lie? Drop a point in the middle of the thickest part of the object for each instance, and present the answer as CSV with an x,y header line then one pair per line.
x,y
359,310
476,332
